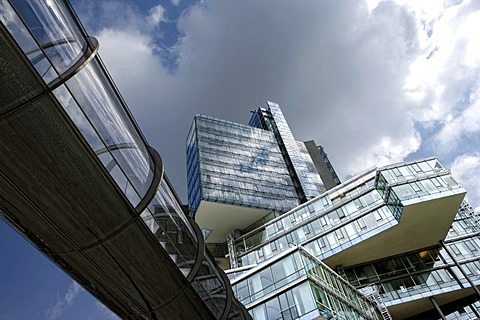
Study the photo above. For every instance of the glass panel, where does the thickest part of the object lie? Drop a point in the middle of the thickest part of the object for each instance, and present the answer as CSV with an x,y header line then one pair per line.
x,y
77,116
273,309
105,112
54,31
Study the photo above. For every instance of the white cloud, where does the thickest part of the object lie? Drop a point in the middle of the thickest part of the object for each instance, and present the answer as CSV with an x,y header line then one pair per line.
x,y
103,312
175,2
445,80
465,169
462,126
137,69
342,67
353,77
56,311
157,15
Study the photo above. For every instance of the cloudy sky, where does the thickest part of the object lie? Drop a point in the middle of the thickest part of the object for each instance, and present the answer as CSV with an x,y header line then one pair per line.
x,y
373,82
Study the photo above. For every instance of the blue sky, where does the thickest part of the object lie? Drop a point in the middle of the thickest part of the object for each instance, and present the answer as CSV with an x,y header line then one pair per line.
x,y
374,82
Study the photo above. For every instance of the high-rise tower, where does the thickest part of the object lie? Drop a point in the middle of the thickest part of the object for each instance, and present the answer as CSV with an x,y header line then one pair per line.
x,y
238,173
400,234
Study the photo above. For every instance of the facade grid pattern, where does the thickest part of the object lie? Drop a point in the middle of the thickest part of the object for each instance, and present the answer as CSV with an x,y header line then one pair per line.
x,y
237,164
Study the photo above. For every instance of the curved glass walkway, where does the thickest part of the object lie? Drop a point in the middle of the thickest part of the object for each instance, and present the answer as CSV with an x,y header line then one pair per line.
x,y
81,183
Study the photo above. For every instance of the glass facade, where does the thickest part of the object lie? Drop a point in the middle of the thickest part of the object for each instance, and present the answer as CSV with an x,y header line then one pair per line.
x,y
45,33
236,164
428,271
306,179
331,225
365,205
296,285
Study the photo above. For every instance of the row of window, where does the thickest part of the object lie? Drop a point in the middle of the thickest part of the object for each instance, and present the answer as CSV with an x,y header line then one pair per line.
x,y
251,152
226,179
323,223
261,156
317,247
247,170
266,200
412,170
240,131
412,285
220,138
302,298
428,186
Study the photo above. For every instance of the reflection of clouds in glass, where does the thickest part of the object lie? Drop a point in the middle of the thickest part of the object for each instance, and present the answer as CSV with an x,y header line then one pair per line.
x,y
101,108
60,40
232,158
99,115
78,118
55,28
15,26
134,163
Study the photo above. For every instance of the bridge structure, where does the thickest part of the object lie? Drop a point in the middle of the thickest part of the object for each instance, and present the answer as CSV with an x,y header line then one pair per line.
x,y
81,183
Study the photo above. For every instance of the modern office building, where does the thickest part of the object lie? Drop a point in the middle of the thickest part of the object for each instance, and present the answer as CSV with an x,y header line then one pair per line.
x,y
241,173
303,173
295,284
80,182
401,234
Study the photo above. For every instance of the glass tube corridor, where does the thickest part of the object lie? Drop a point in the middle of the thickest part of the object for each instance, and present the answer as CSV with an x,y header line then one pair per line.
x,y
81,183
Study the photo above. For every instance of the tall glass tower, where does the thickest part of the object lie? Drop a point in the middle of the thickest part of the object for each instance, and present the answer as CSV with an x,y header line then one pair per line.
x,y
235,168
400,238
307,181
237,164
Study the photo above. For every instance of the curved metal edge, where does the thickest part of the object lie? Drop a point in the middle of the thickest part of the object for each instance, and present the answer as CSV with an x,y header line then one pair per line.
x,y
88,54
200,250
243,310
204,253
157,170
158,175
228,291
226,282
51,45
157,178
118,146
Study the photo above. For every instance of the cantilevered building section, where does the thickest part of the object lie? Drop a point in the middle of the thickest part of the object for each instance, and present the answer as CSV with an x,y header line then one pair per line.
x,y
359,220
81,183
236,175
242,173
237,164
295,284
400,234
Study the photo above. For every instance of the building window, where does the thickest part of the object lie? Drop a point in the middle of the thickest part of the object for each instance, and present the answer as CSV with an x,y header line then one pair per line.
x,y
361,223
340,235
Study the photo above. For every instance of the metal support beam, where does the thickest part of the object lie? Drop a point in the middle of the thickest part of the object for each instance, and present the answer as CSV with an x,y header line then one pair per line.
x,y
460,268
474,310
440,313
